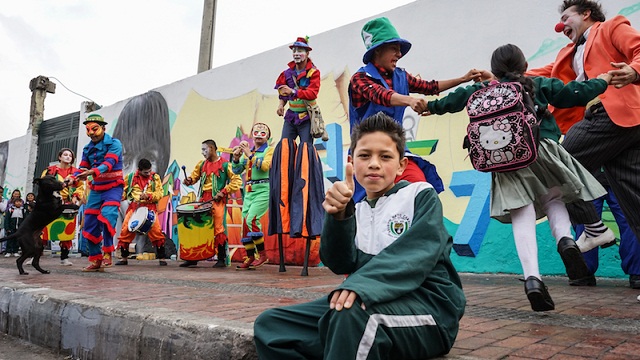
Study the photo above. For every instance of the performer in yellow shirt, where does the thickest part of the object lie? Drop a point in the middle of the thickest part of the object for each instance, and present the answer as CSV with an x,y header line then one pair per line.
x,y
217,181
143,189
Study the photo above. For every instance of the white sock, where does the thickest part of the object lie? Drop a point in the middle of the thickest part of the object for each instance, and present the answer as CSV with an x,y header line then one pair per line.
x,y
523,222
557,214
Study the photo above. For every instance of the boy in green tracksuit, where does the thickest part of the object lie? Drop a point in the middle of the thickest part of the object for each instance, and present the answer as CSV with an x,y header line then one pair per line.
x,y
402,298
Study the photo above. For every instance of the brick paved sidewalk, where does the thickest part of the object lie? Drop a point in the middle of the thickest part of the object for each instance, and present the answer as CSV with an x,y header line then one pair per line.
x,y
600,322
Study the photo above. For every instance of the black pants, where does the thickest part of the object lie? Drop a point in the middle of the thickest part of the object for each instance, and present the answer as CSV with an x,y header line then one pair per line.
x,y
597,143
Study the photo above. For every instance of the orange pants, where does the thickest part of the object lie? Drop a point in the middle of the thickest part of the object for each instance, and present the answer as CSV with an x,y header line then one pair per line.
x,y
155,232
219,210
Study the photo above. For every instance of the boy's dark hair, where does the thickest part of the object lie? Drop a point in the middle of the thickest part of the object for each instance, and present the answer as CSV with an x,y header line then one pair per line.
x,y
211,143
18,199
144,164
583,5
383,123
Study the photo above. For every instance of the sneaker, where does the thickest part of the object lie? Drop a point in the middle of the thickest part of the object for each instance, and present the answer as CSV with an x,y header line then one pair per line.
x,y
65,262
16,255
162,263
246,265
604,240
29,261
124,261
7,255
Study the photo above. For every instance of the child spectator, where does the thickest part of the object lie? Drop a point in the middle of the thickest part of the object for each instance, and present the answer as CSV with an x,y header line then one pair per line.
x,y
14,217
402,298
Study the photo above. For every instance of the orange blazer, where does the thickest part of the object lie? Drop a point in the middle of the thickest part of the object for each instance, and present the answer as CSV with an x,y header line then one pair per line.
x,y
611,41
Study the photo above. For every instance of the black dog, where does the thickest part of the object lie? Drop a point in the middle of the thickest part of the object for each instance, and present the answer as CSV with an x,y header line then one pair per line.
x,y
48,208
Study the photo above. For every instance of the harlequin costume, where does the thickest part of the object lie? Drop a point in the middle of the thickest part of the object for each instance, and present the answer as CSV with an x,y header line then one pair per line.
x,y
216,177
103,203
70,194
255,201
370,92
297,185
135,185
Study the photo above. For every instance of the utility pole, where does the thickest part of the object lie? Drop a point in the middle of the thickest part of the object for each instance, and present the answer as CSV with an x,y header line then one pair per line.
x,y
207,34
39,87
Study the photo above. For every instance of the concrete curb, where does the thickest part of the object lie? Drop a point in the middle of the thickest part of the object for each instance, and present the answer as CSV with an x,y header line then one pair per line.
x,y
95,329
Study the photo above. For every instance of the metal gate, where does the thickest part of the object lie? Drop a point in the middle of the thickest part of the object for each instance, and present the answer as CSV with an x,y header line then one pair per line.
x,y
55,134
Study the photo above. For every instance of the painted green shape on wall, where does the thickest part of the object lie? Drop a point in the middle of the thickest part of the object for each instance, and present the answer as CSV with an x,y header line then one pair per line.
x,y
630,9
549,46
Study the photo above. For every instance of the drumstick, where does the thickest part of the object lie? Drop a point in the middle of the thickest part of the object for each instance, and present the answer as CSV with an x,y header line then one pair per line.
x,y
184,170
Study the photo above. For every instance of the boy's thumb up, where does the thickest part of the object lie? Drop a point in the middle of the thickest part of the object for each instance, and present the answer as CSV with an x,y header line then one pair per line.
x,y
348,176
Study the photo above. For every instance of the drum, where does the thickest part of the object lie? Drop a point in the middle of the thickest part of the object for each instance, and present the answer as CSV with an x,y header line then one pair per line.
x,y
63,228
195,231
141,220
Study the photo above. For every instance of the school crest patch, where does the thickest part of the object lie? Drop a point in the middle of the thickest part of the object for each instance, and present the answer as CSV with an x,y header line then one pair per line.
x,y
398,224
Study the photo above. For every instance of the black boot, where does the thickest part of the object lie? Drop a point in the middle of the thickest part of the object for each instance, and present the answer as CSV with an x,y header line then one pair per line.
x,y
125,257
538,295
161,255
222,257
577,270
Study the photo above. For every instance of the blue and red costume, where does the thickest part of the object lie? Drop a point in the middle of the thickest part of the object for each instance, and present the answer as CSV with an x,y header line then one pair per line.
x,y
101,210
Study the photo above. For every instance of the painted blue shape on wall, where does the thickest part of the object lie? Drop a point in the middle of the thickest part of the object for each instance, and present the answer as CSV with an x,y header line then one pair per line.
x,y
475,221
334,164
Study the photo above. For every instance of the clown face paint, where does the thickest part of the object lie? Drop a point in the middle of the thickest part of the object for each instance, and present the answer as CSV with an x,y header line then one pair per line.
x,y
95,131
260,133
66,157
299,54
206,151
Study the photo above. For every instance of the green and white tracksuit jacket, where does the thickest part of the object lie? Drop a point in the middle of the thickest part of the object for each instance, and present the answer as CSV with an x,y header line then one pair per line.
x,y
396,253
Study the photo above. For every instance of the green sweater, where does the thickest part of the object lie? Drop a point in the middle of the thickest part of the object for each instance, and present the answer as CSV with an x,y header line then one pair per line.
x,y
395,248
548,91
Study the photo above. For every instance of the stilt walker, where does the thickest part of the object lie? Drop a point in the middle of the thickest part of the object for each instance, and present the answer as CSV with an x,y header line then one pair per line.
x,y
297,189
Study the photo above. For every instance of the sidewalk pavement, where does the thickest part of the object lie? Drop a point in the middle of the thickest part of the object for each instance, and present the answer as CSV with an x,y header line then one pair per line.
x,y
144,311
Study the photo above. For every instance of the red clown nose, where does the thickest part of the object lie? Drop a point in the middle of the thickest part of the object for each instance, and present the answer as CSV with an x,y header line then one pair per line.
x,y
559,27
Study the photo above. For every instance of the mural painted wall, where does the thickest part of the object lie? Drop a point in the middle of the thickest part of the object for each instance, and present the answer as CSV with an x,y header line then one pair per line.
x,y
14,156
168,124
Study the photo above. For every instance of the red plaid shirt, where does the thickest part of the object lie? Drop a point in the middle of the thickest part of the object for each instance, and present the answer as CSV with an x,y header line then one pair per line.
x,y
365,88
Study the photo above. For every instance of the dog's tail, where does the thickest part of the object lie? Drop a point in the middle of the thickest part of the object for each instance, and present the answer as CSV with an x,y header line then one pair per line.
x,y
10,237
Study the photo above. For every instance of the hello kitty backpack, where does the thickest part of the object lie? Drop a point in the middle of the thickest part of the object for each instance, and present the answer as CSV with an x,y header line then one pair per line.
x,y
503,131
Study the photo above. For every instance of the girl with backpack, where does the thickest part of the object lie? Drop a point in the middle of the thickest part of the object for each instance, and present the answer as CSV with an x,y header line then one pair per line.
x,y
543,187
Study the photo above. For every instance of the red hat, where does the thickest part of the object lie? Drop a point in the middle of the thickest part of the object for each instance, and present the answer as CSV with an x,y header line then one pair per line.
x,y
301,42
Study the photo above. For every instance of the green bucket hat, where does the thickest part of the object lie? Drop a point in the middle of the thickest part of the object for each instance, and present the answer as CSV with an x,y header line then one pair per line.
x,y
378,32
96,118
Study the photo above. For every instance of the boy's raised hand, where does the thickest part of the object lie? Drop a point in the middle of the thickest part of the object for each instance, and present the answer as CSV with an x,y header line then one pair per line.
x,y
338,196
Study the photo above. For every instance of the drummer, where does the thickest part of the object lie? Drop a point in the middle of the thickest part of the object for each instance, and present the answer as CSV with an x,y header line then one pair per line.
x,y
73,193
217,181
143,189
